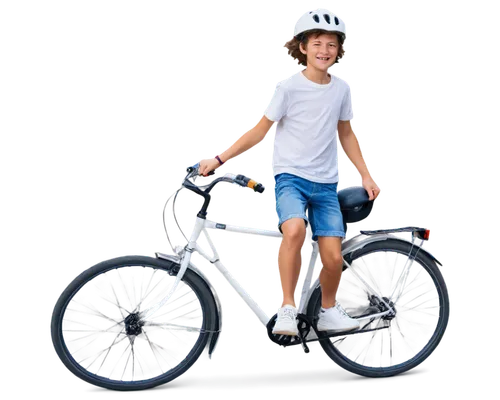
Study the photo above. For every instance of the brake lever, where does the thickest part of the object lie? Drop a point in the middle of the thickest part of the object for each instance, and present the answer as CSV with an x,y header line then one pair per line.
x,y
193,172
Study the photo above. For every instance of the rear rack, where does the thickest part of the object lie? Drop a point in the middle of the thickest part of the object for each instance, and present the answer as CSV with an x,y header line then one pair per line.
x,y
421,233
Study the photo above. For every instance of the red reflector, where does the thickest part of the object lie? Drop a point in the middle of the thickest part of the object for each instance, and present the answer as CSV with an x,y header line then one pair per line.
x,y
427,234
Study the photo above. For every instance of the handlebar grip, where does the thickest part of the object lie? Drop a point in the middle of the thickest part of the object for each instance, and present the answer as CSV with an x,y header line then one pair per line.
x,y
242,180
251,184
255,186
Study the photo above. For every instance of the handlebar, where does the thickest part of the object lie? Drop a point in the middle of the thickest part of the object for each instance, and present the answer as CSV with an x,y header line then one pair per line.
x,y
241,180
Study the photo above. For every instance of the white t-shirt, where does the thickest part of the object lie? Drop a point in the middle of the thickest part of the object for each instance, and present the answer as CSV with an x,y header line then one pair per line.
x,y
306,135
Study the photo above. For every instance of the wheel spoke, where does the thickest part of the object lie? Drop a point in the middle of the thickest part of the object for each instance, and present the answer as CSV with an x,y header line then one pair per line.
x,y
148,286
94,311
348,344
390,341
84,346
367,347
134,295
401,282
141,300
393,268
153,288
169,326
132,354
81,332
119,359
403,337
128,350
416,278
116,298
158,349
424,313
73,321
374,281
100,352
125,290
415,323
96,333
105,355
381,348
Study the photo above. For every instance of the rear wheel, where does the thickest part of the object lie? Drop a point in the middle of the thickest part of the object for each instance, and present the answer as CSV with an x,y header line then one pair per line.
x,y
101,334
389,345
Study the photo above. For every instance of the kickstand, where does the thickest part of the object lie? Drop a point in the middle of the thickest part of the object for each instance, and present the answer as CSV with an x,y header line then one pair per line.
x,y
304,327
306,349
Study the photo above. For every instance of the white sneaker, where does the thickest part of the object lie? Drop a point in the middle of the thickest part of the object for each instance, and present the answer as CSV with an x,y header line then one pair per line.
x,y
286,324
336,319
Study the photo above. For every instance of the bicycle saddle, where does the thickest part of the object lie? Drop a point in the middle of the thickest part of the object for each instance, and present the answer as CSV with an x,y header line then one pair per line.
x,y
354,203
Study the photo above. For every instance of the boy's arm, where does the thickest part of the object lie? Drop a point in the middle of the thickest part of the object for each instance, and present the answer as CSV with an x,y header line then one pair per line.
x,y
351,146
248,140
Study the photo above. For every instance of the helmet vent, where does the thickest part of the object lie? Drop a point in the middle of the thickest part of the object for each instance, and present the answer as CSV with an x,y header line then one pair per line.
x,y
327,18
336,21
316,18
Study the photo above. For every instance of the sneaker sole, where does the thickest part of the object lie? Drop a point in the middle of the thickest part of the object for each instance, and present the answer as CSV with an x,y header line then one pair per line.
x,y
288,333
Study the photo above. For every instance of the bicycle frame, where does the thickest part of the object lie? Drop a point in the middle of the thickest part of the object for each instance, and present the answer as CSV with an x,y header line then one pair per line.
x,y
202,225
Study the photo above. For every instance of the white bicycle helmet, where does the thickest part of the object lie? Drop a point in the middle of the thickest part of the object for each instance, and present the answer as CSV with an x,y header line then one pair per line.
x,y
320,19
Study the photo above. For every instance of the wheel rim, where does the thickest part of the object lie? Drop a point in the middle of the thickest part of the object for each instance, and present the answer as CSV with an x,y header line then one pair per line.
x,y
400,338
105,334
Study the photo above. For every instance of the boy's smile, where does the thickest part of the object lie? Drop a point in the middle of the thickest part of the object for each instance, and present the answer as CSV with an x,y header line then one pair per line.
x,y
321,51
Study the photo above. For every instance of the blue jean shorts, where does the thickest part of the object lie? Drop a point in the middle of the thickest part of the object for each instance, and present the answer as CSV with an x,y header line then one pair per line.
x,y
294,195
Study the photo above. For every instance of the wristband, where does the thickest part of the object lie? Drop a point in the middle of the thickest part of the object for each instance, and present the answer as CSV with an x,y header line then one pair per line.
x,y
218,159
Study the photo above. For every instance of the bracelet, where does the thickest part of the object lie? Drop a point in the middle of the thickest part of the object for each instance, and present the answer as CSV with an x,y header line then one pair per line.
x,y
218,159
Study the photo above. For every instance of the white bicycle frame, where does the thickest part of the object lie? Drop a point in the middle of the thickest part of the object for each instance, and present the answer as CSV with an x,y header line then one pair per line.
x,y
202,225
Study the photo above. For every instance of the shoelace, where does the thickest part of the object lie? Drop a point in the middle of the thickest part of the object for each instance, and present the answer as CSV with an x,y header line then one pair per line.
x,y
288,313
342,311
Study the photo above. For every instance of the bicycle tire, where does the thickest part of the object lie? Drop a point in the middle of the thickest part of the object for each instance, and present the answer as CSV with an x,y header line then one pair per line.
x,y
88,275
432,267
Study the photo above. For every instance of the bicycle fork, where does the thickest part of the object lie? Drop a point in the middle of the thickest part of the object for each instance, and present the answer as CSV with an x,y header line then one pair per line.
x,y
185,259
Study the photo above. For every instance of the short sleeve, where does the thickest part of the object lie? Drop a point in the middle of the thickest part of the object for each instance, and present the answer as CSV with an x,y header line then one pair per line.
x,y
277,107
346,107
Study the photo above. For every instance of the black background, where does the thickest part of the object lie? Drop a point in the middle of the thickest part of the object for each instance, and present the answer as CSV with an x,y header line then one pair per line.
x,y
136,91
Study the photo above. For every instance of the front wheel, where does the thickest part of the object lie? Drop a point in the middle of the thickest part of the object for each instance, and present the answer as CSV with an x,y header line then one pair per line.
x,y
101,334
392,344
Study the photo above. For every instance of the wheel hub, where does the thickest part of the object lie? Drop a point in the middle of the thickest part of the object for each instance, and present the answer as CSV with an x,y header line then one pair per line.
x,y
133,325
374,301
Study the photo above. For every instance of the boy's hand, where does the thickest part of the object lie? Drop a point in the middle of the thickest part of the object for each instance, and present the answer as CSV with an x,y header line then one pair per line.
x,y
208,165
371,187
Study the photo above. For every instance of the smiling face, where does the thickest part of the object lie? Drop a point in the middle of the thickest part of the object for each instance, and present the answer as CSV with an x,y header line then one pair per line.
x,y
321,51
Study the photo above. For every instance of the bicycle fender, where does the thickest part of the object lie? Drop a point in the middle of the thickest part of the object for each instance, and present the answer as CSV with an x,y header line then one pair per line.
x,y
215,330
360,241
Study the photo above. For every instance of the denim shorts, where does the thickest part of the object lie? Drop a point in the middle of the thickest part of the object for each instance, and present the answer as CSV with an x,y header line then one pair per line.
x,y
294,195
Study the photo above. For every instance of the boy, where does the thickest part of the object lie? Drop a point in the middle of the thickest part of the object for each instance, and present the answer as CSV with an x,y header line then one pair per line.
x,y
310,107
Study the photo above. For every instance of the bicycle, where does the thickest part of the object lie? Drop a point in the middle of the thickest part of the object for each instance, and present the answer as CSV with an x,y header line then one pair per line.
x,y
136,322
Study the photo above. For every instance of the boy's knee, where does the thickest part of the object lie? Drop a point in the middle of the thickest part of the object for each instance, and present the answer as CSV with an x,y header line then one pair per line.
x,y
294,230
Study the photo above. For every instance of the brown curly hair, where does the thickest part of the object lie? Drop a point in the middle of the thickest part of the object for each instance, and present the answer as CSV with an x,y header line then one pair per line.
x,y
294,50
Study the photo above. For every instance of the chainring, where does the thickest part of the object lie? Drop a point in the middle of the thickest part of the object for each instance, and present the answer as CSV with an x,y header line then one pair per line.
x,y
304,325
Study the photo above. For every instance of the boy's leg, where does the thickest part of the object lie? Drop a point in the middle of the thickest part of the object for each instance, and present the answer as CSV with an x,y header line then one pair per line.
x,y
291,202
330,250
327,226
289,258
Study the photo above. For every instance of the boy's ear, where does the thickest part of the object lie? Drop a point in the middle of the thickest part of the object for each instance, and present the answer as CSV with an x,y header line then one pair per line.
x,y
301,48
